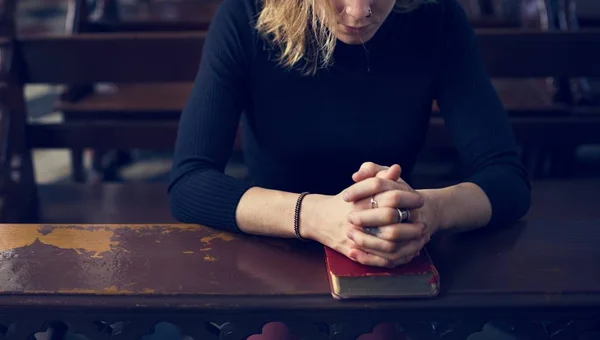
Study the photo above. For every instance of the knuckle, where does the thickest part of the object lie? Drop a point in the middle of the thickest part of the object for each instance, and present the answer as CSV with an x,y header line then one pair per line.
x,y
365,260
391,215
359,240
388,247
376,184
393,233
397,197
390,199
368,165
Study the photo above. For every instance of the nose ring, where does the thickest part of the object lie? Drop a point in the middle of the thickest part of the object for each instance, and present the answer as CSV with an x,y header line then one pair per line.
x,y
370,13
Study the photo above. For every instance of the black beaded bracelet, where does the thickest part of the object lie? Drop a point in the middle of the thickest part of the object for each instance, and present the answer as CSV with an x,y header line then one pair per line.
x,y
297,216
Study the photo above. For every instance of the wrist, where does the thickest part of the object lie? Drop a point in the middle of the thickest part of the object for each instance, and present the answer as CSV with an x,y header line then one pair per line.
x,y
308,216
433,210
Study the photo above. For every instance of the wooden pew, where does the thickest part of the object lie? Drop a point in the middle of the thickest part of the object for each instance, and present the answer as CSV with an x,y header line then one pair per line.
x,y
540,276
130,101
143,16
67,60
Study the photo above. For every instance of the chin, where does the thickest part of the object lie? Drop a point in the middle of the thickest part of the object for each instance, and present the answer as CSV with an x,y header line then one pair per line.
x,y
354,39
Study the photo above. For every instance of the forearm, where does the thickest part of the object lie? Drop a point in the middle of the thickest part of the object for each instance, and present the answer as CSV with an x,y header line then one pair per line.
x,y
271,213
459,207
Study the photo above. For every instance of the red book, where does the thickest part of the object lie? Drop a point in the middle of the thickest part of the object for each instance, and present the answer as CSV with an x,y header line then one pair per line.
x,y
350,279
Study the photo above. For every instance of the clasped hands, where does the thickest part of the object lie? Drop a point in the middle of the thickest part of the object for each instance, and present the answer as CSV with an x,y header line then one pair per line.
x,y
372,235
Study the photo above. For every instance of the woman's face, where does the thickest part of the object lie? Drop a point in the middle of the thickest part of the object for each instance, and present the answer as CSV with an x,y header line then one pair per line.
x,y
359,20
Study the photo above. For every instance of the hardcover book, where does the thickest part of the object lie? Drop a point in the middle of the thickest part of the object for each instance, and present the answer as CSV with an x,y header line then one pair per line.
x,y
349,279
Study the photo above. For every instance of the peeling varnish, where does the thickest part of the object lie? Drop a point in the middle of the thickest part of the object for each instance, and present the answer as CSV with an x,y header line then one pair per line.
x,y
97,238
188,252
94,241
217,236
209,258
111,290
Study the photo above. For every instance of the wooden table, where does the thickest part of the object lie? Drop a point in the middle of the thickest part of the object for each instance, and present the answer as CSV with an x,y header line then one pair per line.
x,y
546,267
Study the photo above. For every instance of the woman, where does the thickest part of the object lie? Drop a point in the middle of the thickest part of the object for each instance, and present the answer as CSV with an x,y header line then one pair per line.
x,y
337,96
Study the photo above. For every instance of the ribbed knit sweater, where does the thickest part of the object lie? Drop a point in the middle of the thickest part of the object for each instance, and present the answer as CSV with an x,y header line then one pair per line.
x,y
310,133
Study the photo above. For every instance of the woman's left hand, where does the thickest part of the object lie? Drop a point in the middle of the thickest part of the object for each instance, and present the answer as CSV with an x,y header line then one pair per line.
x,y
398,243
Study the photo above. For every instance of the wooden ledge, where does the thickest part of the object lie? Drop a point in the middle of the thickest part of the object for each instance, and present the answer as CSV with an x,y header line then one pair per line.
x,y
547,260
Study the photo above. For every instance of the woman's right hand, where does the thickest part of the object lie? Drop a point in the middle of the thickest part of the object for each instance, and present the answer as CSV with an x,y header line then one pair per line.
x,y
324,219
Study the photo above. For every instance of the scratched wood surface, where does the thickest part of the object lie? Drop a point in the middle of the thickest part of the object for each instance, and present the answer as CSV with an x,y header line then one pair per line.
x,y
550,258
529,258
150,259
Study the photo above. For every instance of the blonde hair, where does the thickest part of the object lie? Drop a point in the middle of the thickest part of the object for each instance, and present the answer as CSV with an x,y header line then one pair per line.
x,y
302,30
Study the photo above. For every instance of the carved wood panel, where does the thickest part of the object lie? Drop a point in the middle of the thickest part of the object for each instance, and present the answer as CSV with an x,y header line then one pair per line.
x,y
154,327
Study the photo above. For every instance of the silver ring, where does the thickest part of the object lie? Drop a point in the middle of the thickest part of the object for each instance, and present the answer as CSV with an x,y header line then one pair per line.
x,y
374,203
375,231
403,215
370,13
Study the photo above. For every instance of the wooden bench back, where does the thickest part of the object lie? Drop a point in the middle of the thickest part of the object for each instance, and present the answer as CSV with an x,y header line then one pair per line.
x,y
174,57
83,58
183,15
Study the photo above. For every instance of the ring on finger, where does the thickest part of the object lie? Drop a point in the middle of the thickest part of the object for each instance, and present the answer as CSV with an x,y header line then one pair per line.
x,y
403,215
375,231
374,203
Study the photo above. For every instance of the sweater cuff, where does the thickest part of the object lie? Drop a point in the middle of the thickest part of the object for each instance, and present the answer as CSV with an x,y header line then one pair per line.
x,y
208,198
509,195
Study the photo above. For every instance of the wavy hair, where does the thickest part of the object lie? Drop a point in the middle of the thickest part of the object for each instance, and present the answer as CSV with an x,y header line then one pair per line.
x,y
301,30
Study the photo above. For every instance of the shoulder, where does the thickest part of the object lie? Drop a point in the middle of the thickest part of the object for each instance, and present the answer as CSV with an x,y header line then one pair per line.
x,y
239,15
232,29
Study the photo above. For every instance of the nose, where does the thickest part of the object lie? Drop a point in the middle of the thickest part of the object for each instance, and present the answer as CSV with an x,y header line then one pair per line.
x,y
358,9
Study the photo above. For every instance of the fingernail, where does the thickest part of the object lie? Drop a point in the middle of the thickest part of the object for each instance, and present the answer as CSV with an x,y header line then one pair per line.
x,y
350,235
345,196
422,200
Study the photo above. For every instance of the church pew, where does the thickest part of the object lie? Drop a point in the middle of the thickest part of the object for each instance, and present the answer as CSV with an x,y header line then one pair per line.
x,y
138,101
73,56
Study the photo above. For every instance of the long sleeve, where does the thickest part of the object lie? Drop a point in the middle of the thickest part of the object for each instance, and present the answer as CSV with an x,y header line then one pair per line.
x,y
199,191
478,123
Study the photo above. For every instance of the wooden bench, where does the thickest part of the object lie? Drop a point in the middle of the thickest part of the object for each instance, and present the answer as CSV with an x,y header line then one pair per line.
x,y
540,276
67,60
142,16
130,101
544,132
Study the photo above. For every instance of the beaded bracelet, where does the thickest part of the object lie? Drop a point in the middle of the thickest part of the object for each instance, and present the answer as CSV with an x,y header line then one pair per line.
x,y
297,216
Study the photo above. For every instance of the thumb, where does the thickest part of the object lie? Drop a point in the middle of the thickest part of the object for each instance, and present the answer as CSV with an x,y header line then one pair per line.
x,y
392,173
367,170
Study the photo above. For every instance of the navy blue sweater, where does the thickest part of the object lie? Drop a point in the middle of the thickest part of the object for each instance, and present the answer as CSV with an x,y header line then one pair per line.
x,y
310,133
